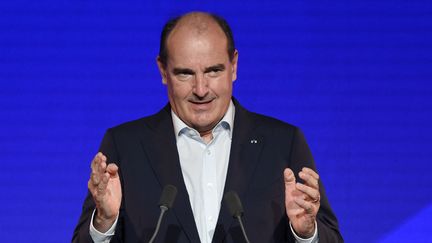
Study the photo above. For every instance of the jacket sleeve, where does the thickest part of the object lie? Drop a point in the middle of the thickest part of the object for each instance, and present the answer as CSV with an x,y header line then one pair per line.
x,y
81,233
301,156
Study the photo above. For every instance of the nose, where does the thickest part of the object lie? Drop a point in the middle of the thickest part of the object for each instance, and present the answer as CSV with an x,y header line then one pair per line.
x,y
200,87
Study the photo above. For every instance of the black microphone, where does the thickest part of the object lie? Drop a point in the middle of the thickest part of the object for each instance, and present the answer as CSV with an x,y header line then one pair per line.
x,y
235,208
166,201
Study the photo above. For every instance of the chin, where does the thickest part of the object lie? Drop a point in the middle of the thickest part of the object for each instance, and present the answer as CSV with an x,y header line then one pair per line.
x,y
204,124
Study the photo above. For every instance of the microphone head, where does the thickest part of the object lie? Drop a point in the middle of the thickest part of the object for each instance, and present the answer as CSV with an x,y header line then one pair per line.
x,y
168,196
234,204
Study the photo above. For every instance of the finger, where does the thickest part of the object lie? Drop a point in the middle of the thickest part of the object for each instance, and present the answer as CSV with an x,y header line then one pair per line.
x,y
102,165
95,162
295,211
311,172
102,186
95,165
309,191
95,178
112,169
309,179
289,177
90,186
98,164
307,206
98,169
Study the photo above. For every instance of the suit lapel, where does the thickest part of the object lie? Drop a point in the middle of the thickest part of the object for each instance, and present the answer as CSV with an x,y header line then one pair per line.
x,y
162,153
245,151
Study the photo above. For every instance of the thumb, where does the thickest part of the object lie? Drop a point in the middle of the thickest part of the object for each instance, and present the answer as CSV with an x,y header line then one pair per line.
x,y
289,177
290,188
112,169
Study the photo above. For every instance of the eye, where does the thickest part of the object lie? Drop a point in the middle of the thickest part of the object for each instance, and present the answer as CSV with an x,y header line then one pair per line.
x,y
214,73
183,76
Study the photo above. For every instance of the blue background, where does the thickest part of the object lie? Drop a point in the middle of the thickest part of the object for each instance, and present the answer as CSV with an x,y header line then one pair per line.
x,y
354,75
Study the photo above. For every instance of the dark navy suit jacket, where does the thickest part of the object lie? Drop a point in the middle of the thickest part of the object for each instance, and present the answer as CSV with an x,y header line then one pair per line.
x,y
145,151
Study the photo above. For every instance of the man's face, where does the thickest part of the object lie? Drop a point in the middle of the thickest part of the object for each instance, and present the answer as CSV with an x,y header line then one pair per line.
x,y
199,75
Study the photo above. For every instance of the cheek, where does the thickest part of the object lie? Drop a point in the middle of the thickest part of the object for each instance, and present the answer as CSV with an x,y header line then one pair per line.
x,y
222,86
178,90
226,90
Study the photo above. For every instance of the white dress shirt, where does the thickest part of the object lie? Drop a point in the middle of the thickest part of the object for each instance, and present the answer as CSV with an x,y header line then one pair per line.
x,y
204,167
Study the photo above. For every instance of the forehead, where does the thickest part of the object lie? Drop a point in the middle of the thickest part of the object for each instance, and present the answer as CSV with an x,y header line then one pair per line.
x,y
197,40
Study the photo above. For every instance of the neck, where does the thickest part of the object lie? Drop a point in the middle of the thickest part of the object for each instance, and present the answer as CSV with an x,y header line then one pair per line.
x,y
207,136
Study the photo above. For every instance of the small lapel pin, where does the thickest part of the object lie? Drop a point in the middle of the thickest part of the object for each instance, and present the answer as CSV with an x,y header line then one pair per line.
x,y
254,141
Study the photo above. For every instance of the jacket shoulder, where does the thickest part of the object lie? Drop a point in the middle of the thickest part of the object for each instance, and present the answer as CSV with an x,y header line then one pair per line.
x,y
140,124
268,123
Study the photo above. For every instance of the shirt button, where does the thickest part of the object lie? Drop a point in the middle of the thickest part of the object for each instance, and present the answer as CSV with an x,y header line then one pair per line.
x,y
208,152
210,185
210,219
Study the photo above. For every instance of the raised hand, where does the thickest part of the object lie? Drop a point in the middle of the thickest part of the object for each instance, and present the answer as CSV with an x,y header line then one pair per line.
x,y
302,201
104,185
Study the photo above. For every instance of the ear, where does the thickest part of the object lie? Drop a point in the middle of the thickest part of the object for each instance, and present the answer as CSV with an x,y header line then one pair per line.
x,y
162,70
234,62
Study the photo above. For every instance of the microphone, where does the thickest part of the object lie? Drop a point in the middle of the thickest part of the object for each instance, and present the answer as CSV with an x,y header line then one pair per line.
x,y
166,201
235,208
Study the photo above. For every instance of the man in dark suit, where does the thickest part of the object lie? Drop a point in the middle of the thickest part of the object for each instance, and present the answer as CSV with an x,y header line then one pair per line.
x,y
205,144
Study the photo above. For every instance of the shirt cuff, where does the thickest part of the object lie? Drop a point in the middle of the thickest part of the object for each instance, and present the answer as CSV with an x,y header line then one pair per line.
x,y
313,239
99,237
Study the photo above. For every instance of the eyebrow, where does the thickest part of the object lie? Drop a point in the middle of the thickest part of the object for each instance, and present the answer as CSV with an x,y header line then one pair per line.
x,y
183,71
217,67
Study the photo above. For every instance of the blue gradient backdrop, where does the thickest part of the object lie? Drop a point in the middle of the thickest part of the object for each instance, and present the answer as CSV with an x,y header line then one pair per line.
x,y
354,75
